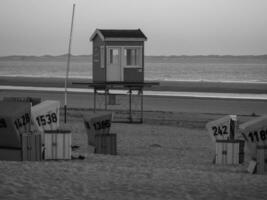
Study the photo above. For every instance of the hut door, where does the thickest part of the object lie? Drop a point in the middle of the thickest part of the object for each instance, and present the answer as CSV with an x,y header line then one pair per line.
x,y
114,64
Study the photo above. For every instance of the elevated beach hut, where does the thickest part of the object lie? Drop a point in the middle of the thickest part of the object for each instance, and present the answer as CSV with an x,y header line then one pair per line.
x,y
118,55
118,64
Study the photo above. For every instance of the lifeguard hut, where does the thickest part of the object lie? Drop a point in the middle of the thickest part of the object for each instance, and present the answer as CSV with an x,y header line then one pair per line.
x,y
118,64
118,55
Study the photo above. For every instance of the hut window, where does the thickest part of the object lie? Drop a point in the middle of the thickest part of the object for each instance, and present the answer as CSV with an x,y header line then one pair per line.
x,y
113,56
133,56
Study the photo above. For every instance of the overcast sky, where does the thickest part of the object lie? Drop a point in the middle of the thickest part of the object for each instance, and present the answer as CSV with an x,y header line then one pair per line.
x,y
173,27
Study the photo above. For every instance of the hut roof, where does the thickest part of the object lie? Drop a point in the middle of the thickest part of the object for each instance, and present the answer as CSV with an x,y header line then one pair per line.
x,y
119,35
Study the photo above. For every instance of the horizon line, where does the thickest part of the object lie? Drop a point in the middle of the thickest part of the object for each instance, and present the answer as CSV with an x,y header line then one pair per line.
x,y
181,55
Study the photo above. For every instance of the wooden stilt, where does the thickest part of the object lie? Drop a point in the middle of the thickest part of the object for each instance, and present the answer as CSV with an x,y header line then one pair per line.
x,y
95,93
142,107
130,105
103,89
106,99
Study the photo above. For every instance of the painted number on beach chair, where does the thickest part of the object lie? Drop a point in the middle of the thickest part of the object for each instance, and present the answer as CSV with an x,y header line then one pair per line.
x,y
255,133
256,136
224,128
22,121
101,124
219,130
3,123
42,120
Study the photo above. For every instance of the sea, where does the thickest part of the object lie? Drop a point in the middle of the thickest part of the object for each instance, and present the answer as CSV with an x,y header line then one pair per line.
x,y
159,71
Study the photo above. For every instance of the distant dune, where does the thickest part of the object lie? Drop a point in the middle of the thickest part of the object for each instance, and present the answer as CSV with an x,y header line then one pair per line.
x,y
150,59
59,58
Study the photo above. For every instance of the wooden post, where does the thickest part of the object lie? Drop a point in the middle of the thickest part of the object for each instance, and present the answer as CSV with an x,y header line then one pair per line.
x,y
130,105
106,99
142,101
95,93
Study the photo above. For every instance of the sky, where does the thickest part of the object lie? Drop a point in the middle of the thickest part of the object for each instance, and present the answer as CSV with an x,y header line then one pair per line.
x,y
173,27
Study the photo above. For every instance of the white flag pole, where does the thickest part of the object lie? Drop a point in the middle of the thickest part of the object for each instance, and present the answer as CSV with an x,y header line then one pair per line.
x,y
68,65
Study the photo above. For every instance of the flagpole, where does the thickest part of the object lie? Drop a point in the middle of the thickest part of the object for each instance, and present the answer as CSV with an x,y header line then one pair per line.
x,y
68,66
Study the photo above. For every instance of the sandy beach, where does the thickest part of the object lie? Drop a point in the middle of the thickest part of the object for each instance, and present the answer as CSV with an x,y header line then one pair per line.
x,y
169,156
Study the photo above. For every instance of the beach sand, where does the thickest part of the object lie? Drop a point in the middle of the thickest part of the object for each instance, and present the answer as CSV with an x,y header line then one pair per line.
x,y
169,156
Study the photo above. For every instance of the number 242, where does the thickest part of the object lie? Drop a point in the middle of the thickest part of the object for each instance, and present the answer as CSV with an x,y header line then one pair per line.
x,y
219,131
